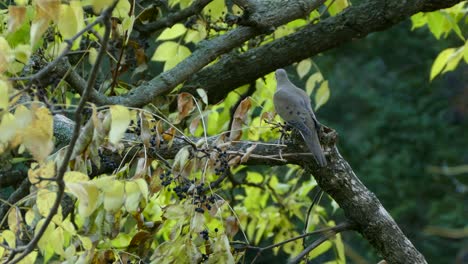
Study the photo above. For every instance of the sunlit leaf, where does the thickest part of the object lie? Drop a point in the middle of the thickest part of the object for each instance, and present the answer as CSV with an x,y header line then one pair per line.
x,y
303,67
440,62
7,128
4,88
75,176
132,196
172,32
322,95
114,196
87,194
312,81
203,95
336,6
39,139
120,121
45,201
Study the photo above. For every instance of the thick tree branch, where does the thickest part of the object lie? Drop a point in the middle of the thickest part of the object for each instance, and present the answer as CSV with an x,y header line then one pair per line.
x,y
354,22
173,18
206,53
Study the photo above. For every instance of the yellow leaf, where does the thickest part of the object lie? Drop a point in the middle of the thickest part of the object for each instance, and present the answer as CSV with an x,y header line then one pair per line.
x,y
203,95
30,217
86,242
99,5
14,219
67,22
303,67
22,53
75,176
132,196
92,55
312,80
172,32
57,241
40,134
322,95
454,59
196,34
216,9
88,197
143,188
440,62
120,121
45,171
5,54
167,50
45,200
9,238
114,196
4,88
7,128
122,9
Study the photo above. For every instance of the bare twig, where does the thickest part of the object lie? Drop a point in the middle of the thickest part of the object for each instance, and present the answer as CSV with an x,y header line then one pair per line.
x,y
173,18
105,16
326,235
329,230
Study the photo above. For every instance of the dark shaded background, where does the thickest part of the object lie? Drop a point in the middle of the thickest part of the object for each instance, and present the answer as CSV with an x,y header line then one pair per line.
x,y
393,123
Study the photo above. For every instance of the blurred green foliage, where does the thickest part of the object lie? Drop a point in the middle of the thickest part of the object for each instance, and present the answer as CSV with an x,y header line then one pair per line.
x,y
393,123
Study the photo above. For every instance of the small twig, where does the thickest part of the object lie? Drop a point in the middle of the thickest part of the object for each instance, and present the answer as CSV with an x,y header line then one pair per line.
x,y
19,193
173,18
335,229
76,132
326,235
52,64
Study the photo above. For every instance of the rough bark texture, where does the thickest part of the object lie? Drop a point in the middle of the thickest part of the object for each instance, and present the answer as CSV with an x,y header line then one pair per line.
x,y
361,206
353,23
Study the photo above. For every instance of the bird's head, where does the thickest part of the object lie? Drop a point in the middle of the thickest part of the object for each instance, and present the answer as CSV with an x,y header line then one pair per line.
x,y
281,77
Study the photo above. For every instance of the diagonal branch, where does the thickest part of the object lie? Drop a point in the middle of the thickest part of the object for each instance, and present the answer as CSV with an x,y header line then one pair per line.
x,y
207,52
173,18
353,23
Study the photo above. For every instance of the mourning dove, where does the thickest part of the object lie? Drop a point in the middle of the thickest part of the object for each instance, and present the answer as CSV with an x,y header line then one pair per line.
x,y
293,105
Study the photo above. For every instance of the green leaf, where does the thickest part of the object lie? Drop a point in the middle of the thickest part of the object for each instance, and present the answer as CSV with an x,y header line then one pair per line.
x,y
465,53
418,20
440,62
322,95
436,21
454,26
173,32
336,6
454,59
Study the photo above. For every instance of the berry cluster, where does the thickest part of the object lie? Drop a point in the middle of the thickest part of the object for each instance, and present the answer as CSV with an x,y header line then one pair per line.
x,y
166,178
222,162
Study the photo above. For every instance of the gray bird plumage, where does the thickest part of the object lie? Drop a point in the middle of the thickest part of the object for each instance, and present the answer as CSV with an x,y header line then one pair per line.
x,y
293,105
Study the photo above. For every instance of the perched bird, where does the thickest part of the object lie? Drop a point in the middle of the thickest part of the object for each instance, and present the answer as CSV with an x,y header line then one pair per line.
x,y
293,105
